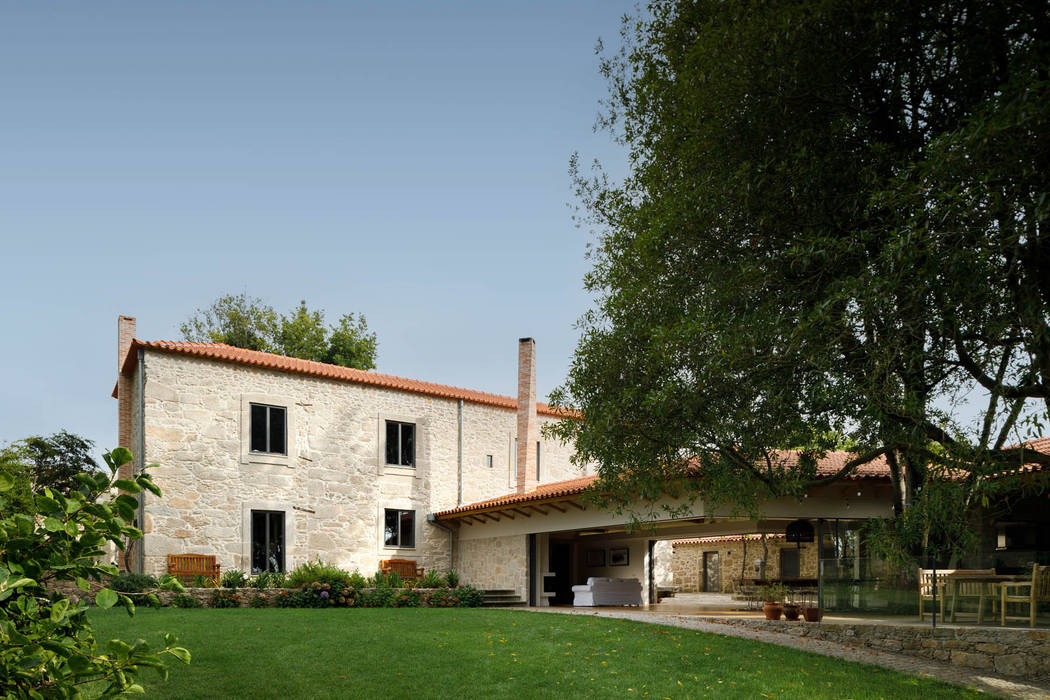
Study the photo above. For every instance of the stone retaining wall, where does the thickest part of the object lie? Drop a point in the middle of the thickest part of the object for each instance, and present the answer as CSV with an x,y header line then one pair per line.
x,y
1023,653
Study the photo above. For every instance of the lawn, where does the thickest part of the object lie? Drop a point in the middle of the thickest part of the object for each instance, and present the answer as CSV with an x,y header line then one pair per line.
x,y
424,653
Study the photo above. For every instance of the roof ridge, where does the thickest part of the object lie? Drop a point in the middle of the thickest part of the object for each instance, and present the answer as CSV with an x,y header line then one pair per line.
x,y
261,358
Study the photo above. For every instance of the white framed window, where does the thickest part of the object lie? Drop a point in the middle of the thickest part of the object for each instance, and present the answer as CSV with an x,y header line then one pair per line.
x,y
268,432
400,444
399,528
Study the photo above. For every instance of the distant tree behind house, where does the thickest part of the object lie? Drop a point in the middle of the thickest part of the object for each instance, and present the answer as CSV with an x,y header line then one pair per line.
x,y
248,322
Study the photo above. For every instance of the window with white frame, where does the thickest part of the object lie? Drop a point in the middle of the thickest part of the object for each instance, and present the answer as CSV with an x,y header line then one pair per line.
x,y
399,528
400,443
268,432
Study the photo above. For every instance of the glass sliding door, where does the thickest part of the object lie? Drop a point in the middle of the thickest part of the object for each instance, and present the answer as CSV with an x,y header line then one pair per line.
x,y
267,541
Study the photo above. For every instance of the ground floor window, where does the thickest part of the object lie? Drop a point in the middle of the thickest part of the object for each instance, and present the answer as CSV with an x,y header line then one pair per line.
x,y
399,528
267,541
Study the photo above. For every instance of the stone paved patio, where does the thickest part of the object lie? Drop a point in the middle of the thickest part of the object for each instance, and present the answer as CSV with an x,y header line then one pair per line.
x,y
732,625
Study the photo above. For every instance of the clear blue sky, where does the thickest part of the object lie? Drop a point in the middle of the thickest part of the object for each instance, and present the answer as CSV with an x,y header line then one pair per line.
x,y
404,160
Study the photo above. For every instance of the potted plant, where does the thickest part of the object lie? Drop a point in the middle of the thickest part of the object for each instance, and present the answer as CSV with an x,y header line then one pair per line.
x,y
811,613
772,594
791,610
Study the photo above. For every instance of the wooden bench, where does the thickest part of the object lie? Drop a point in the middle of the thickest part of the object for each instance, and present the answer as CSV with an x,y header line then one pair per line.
x,y
405,568
187,567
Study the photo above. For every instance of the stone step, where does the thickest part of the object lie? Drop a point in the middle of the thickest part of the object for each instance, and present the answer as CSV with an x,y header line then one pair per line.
x,y
502,603
497,591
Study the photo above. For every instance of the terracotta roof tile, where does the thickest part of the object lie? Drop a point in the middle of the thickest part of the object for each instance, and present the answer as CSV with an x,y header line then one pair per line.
x,y
831,464
555,489
255,358
728,538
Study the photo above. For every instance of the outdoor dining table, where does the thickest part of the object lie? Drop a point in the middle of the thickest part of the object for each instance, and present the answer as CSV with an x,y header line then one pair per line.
x,y
994,582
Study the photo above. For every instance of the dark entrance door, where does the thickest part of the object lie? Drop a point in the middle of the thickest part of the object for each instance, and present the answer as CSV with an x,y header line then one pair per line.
x,y
789,563
560,560
267,541
711,572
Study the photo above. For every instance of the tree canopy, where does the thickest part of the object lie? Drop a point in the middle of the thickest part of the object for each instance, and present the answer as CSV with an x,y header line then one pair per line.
x,y
834,226
52,461
248,322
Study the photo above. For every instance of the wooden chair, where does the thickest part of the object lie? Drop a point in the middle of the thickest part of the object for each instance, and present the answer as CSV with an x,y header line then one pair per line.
x,y
1025,592
926,588
980,591
405,568
188,567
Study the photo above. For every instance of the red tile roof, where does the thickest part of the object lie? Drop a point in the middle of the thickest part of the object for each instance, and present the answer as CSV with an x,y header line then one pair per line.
x,y
831,464
255,358
728,538
553,490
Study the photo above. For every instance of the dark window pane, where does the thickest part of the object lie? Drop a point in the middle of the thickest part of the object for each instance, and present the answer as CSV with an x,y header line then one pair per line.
x,y
408,445
408,530
258,428
390,529
392,446
275,554
537,461
277,421
258,541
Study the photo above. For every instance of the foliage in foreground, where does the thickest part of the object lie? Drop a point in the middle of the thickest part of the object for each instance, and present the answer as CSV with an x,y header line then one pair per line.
x,y
47,645
490,654
835,227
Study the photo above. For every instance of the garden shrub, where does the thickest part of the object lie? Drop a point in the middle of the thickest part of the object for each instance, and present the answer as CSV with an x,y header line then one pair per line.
x,y
470,597
47,645
233,578
452,578
128,582
408,598
462,597
377,598
260,600
202,581
431,579
225,599
357,580
185,601
268,579
316,572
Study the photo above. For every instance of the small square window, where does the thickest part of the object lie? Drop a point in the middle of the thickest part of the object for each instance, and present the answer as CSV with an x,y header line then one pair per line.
x,y
268,428
488,461
400,444
399,528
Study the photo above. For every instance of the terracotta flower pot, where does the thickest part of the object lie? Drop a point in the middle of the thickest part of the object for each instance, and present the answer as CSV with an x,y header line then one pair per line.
x,y
791,611
811,613
772,611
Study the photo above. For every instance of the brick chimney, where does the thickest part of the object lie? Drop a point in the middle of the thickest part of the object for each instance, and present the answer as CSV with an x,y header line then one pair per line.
x,y
125,334
528,429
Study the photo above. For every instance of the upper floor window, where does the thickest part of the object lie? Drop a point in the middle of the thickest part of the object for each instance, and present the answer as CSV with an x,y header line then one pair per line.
x,y
537,460
399,528
400,443
488,461
268,429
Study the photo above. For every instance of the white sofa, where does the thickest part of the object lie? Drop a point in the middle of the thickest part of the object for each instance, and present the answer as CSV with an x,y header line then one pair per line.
x,y
608,591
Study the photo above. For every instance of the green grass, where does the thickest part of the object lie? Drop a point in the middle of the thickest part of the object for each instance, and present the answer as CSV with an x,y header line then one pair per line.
x,y
423,653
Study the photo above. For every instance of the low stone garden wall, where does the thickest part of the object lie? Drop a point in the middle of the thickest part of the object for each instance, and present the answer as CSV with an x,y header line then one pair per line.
x,y
1023,653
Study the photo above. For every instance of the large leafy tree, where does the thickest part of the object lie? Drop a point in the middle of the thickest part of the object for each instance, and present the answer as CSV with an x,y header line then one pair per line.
x,y
834,226
51,461
248,322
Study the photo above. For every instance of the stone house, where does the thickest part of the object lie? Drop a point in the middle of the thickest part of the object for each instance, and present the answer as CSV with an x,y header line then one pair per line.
x,y
715,564
270,461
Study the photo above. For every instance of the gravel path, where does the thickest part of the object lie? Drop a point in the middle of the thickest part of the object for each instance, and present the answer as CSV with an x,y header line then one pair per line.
x,y
986,682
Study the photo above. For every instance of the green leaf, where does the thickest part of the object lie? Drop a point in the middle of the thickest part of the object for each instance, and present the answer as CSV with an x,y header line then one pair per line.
x,y
180,653
120,456
105,598
53,524
127,485
58,610
7,482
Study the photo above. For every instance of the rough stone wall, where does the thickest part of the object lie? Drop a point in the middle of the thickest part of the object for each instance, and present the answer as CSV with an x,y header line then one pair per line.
x,y
332,486
687,562
1023,653
495,563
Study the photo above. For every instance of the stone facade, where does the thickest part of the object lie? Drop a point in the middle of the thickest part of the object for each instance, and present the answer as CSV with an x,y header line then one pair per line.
x,y
333,485
495,563
687,566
